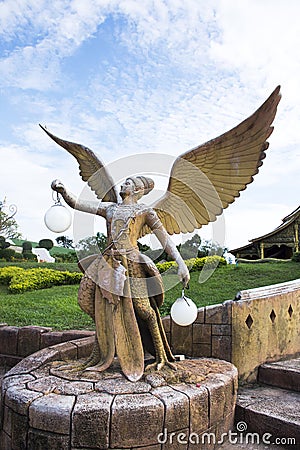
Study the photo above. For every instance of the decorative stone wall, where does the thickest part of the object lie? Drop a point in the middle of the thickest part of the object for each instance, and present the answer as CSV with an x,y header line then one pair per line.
x,y
43,408
265,327
18,342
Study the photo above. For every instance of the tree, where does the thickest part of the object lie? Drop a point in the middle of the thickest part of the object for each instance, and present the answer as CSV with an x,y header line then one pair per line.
x,y
209,247
5,252
3,243
190,248
27,251
91,245
46,243
64,241
8,225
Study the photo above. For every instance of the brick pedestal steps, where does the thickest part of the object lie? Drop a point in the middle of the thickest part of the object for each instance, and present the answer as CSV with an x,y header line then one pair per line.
x,y
45,408
273,404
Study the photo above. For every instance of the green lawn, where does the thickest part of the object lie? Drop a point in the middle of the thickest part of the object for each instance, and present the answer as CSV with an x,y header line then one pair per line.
x,y
57,307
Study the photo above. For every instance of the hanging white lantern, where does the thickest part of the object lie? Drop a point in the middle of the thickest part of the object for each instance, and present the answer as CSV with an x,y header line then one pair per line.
x,y
184,311
58,218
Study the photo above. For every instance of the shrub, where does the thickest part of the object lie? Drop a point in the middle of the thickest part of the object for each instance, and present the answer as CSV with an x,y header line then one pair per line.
x,y
7,273
17,257
7,253
21,280
29,256
3,243
65,257
193,264
46,243
296,257
167,265
27,247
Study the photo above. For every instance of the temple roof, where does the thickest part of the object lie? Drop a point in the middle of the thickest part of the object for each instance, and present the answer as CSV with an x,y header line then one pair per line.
x,y
286,221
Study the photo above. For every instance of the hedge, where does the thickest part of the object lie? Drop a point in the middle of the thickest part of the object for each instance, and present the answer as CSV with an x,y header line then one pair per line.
x,y
193,264
20,280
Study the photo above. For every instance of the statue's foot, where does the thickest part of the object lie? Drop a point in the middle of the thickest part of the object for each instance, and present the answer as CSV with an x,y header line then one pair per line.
x,y
100,366
78,366
158,365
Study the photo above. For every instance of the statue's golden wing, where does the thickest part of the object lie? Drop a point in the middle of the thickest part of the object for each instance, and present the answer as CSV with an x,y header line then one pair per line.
x,y
91,168
206,179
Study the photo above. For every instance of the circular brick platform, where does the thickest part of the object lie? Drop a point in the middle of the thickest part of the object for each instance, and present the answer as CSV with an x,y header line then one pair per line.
x,y
47,408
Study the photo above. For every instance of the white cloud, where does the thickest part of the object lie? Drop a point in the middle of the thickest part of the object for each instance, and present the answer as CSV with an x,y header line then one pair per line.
x,y
166,76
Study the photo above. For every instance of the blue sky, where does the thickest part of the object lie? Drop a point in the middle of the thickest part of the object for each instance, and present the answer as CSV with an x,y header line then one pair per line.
x,y
131,77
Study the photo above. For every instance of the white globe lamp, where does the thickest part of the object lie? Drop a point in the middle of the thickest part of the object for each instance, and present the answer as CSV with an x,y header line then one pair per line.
x,y
184,311
58,218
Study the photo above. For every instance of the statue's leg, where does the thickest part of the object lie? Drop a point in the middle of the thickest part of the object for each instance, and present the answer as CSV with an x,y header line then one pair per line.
x,y
78,366
146,312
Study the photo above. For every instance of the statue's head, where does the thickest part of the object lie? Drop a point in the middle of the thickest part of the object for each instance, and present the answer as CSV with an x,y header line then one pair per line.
x,y
137,186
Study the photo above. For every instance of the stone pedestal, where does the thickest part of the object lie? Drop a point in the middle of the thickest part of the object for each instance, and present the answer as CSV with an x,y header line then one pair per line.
x,y
46,408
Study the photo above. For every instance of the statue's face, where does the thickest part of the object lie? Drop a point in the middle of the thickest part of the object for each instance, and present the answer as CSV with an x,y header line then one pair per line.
x,y
127,188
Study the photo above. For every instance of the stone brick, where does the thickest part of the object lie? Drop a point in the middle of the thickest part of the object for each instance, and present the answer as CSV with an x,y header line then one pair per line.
x,y
198,397
176,407
116,386
9,361
9,340
19,399
230,390
28,340
221,347
218,314
7,420
52,413
217,399
34,361
181,339
57,385
90,420
5,441
66,350
136,420
201,333
19,428
201,350
17,380
221,330
71,335
85,346
49,339
40,440
200,315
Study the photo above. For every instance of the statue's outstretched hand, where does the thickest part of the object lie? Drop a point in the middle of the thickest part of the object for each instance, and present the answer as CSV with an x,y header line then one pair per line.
x,y
184,275
58,186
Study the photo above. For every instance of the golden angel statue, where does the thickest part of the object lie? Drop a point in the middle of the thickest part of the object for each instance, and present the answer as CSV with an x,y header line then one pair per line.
x,y
122,289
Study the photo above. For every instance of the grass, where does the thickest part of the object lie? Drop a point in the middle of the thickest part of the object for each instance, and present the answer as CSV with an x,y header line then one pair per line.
x,y
57,307
71,267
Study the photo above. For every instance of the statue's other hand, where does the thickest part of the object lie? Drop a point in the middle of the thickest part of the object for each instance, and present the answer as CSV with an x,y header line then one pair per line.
x,y
58,186
184,275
